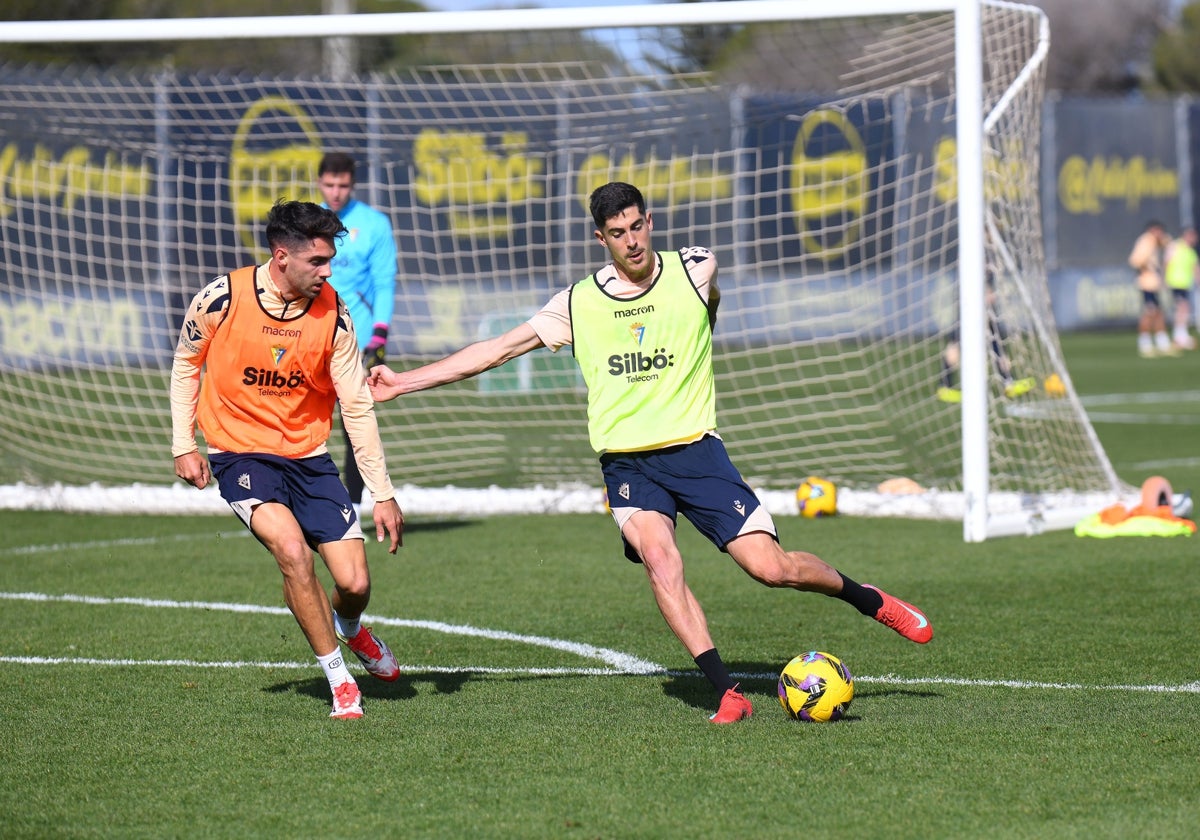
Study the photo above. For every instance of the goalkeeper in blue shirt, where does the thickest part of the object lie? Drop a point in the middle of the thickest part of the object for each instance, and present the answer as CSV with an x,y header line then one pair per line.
x,y
364,275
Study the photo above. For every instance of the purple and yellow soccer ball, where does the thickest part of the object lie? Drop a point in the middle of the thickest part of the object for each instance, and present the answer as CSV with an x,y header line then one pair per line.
x,y
816,497
816,687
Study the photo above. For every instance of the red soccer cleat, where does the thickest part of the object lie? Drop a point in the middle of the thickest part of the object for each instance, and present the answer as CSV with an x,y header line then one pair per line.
x,y
347,702
903,617
373,654
734,707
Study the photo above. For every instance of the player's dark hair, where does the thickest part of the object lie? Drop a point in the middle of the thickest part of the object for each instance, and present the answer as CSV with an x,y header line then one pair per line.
x,y
294,224
609,200
336,163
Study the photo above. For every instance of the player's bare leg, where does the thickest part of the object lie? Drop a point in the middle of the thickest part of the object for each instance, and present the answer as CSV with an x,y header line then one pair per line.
x,y
765,560
279,531
277,528
769,563
652,536
347,564
1182,319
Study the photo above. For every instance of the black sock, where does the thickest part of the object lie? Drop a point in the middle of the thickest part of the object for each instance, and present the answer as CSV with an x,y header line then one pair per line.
x,y
710,663
866,601
947,375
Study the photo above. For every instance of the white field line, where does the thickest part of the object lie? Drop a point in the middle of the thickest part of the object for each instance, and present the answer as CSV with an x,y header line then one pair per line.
x,y
1166,462
57,548
616,660
308,666
619,664
887,679
1095,405
891,679
1141,418
1142,398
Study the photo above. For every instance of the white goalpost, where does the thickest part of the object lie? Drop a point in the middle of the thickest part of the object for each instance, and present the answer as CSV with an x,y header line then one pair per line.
x,y
866,172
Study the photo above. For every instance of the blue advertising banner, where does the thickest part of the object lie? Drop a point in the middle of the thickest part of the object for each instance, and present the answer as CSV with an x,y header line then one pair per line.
x,y
123,219
1115,167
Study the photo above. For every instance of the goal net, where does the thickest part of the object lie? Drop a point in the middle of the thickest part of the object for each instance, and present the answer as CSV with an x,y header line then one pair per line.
x,y
815,154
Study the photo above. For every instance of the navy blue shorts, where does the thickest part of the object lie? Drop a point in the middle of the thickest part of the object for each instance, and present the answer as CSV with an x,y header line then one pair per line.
x,y
309,487
694,479
1150,300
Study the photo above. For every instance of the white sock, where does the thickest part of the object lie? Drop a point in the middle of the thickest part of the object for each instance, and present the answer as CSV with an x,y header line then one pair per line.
x,y
346,627
1162,341
1144,341
335,668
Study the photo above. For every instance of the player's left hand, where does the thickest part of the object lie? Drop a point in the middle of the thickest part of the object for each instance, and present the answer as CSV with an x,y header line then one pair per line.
x,y
376,351
382,382
389,519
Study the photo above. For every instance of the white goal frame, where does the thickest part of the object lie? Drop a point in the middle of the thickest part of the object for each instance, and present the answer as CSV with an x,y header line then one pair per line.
x,y
979,522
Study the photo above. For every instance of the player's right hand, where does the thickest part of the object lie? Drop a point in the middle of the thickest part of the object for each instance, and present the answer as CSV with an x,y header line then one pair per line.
x,y
192,467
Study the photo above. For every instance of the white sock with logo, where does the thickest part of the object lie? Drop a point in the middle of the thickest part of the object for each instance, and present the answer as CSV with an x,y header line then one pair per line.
x,y
334,666
347,628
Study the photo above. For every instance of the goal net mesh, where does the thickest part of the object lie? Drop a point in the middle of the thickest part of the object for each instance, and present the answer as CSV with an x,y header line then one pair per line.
x,y
815,157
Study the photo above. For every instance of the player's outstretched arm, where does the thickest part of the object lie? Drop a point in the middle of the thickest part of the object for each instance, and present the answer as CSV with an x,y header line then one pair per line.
x,y
471,360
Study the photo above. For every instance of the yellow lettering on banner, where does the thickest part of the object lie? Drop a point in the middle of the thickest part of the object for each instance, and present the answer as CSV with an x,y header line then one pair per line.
x,y
487,224
945,170
1008,175
662,182
71,328
8,156
1084,186
74,176
457,168
830,190
68,180
20,331
287,167
446,306
1106,301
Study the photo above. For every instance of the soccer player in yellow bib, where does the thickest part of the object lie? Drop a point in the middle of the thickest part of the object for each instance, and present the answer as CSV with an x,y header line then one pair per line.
x,y
641,330
278,351
1180,276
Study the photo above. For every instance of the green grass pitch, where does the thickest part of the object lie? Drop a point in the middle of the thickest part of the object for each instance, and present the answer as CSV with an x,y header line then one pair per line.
x,y
154,686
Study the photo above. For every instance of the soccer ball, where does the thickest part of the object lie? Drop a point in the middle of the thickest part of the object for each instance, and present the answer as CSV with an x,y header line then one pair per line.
x,y
816,497
816,686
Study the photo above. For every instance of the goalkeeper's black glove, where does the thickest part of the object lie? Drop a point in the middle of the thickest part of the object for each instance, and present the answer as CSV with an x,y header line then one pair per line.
x,y
376,352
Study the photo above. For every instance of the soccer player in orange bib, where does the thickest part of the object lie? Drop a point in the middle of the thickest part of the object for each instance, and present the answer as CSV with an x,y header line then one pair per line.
x,y
641,330
278,351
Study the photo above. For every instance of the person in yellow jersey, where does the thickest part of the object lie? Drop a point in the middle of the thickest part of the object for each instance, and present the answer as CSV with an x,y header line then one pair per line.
x,y
641,331
278,351
1180,276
